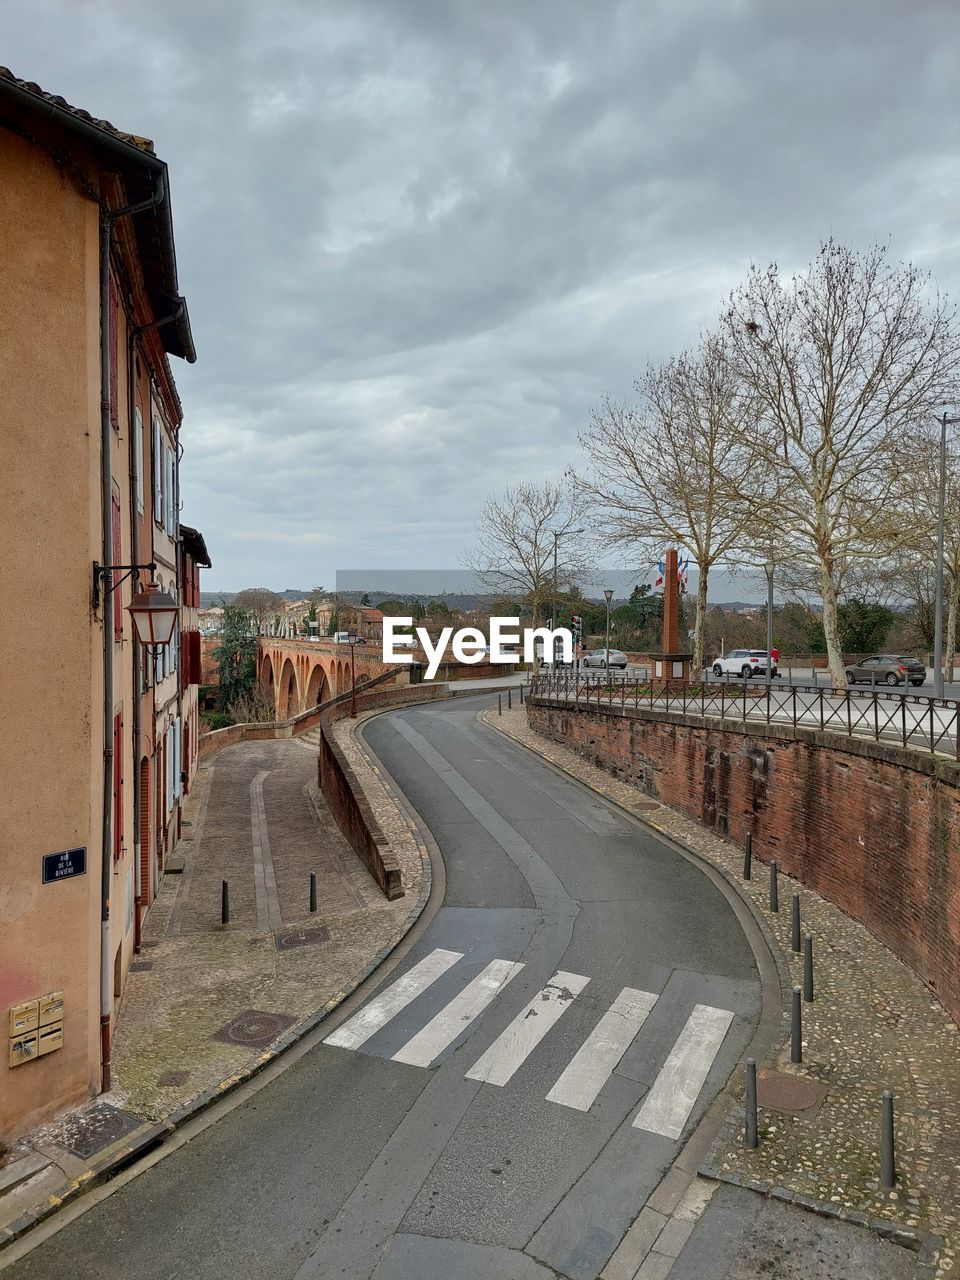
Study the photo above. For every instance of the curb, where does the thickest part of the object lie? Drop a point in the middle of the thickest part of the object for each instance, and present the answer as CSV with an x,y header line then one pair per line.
x,y
141,1142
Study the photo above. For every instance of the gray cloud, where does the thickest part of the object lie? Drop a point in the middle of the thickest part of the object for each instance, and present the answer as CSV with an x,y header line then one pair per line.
x,y
420,239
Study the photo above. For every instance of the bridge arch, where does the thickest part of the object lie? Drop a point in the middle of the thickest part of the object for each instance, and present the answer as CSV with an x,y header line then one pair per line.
x,y
288,692
318,688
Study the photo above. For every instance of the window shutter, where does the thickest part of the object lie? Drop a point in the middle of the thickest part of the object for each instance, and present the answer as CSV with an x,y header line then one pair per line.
x,y
195,657
138,454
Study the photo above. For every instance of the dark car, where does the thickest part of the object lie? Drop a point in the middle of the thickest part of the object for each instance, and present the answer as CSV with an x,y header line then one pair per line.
x,y
887,668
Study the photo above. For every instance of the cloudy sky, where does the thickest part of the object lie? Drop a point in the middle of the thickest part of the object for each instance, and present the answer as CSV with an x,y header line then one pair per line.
x,y
420,238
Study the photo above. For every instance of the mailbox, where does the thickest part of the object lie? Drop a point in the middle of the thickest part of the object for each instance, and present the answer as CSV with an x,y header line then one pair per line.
x,y
23,1048
35,1028
23,1017
50,1009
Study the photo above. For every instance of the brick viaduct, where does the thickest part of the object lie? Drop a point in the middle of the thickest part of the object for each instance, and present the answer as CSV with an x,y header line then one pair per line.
x,y
303,673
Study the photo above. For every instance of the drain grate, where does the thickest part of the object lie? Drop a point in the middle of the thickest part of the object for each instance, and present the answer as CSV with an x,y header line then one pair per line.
x,y
140,966
96,1128
777,1091
254,1028
302,938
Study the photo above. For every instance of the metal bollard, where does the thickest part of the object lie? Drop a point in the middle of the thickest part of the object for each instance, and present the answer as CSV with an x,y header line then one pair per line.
x,y
509,702
750,1138
888,1168
521,693
313,891
796,1029
795,922
808,968
224,903
499,704
774,899
747,855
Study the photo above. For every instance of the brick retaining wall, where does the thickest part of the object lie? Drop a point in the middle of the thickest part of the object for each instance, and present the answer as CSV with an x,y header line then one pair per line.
x,y
873,827
343,793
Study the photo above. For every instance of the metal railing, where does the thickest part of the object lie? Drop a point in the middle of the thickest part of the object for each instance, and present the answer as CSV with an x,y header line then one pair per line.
x,y
909,720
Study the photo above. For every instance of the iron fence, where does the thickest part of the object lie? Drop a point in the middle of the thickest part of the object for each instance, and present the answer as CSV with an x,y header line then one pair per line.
x,y
930,724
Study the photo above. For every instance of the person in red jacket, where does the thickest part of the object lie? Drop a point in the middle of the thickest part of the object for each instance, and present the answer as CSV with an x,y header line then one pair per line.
x,y
775,654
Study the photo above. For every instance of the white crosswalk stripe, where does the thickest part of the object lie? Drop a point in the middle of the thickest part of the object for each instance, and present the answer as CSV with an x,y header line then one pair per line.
x,y
451,1022
358,1029
593,1064
511,1048
667,1106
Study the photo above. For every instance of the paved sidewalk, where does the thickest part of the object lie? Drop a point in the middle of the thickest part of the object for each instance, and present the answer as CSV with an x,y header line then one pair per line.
x,y
206,1004
872,1026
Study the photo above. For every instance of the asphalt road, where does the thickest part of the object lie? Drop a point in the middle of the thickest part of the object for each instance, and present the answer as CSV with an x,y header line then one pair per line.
x,y
574,956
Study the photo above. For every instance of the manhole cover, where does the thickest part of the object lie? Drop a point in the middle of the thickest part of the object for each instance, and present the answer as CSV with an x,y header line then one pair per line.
x,y
302,938
778,1091
173,1079
253,1028
96,1128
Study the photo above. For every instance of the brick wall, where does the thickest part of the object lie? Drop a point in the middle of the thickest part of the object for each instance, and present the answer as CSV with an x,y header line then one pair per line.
x,y
872,827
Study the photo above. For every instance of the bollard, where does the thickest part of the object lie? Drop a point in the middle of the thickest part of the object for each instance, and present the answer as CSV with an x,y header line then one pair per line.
x,y
888,1169
509,702
521,692
313,891
747,855
225,903
796,1029
808,967
795,922
774,900
750,1139
499,704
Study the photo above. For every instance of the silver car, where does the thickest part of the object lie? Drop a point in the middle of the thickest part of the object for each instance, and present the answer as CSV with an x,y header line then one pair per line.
x,y
605,658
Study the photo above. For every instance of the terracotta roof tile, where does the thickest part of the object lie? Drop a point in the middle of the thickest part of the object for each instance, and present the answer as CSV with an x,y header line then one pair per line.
x,y
55,100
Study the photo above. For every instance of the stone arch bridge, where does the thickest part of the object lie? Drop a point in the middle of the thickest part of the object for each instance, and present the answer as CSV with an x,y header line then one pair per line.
x,y
300,674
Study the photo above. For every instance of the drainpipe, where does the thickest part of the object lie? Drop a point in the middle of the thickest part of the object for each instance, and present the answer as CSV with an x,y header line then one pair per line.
x,y
108,217
134,337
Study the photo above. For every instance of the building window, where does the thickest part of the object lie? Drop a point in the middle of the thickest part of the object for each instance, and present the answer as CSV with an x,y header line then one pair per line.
x,y
112,341
138,454
116,556
156,463
117,786
168,475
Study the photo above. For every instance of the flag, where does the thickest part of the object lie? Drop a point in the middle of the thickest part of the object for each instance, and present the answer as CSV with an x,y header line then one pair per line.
x,y
661,570
683,573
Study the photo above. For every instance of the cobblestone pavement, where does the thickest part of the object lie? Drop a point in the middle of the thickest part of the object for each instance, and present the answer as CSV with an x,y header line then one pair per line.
x,y
204,1001
872,1026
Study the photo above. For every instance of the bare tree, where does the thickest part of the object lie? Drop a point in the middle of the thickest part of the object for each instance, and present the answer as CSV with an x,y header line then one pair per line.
x,y
261,603
657,470
514,548
843,362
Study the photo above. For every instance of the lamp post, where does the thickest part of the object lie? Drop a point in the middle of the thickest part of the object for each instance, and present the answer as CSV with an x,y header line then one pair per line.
x,y
353,678
945,421
557,535
768,570
608,596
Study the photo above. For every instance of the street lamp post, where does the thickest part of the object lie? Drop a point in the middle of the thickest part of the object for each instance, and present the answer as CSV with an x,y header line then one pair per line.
x,y
945,421
353,679
608,596
557,535
768,569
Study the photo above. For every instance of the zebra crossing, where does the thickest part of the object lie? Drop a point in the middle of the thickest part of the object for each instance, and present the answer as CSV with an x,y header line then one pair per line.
x,y
665,1108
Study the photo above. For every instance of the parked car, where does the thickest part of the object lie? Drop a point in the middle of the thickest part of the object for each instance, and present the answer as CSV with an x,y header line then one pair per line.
x,y
745,663
605,658
886,668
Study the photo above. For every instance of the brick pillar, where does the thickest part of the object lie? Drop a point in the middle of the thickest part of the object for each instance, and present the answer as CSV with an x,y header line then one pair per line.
x,y
671,605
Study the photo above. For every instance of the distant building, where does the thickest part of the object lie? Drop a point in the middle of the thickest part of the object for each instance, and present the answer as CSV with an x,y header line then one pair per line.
x,y
93,729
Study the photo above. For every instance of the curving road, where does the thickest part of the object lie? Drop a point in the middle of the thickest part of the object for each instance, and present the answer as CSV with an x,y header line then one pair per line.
x,y
507,1099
